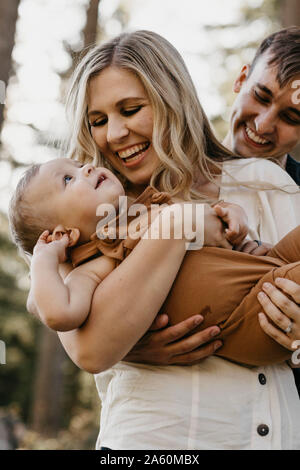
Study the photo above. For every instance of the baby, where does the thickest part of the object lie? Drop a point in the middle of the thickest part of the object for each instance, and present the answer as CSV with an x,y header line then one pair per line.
x,y
60,199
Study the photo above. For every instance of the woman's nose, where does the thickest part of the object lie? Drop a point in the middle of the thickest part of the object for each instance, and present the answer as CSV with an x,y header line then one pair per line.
x,y
116,130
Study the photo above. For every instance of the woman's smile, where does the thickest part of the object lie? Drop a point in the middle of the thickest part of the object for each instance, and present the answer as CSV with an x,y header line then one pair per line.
x,y
134,155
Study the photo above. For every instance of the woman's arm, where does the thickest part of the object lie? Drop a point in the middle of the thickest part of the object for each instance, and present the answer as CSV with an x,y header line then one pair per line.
x,y
125,304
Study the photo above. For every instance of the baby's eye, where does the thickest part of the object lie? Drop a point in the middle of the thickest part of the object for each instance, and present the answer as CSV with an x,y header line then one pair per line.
x,y
67,179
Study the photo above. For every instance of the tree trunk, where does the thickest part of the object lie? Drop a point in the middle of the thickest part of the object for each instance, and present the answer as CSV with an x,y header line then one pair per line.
x,y
290,13
90,30
8,18
48,387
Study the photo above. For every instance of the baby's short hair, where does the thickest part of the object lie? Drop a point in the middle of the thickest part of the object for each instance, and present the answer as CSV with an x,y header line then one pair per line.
x,y
25,225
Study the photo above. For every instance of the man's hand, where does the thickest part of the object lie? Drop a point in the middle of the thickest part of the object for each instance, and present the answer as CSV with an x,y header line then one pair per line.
x,y
252,248
170,346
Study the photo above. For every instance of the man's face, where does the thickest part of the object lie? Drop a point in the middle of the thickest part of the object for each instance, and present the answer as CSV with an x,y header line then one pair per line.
x,y
265,120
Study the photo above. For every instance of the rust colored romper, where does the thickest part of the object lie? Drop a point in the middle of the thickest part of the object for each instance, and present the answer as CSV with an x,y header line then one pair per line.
x,y
222,285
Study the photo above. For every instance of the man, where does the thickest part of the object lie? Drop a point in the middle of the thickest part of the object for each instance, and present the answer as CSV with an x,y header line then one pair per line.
x,y
265,120
265,123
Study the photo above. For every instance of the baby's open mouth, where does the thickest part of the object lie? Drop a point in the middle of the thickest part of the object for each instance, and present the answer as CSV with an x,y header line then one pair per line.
x,y
100,180
133,153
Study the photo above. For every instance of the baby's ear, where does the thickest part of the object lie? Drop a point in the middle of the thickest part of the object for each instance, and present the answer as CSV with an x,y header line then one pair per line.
x,y
74,235
60,231
57,233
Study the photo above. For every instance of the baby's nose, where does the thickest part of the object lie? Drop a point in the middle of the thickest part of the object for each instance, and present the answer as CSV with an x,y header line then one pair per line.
x,y
88,169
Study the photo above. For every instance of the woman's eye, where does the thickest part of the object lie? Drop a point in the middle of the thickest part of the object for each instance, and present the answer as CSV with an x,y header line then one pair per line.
x,y
261,98
67,179
100,122
130,112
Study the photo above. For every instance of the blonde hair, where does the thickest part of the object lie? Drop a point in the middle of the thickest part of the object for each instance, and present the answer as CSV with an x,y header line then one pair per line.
x,y
182,136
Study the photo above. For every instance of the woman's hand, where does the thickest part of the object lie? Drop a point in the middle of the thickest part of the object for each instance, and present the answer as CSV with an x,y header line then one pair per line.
x,y
285,313
170,346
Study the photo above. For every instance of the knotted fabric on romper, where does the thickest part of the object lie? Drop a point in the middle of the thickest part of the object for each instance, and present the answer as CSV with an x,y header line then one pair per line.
x,y
119,246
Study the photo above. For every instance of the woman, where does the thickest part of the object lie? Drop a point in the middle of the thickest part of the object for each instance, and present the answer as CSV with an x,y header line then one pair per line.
x,y
136,111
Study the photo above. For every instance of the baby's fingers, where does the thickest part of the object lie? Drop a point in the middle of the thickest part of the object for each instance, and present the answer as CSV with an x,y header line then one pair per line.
x,y
43,237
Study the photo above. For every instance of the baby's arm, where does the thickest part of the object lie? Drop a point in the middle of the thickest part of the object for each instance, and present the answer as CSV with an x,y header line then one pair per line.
x,y
63,305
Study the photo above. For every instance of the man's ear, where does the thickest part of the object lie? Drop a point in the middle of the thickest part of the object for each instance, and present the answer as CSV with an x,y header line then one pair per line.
x,y
60,231
241,78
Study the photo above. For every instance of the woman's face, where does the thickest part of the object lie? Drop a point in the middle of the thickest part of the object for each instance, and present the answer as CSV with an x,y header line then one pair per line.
x,y
121,120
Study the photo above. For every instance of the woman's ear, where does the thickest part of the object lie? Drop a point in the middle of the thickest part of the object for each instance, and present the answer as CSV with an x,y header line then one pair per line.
x,y
241,78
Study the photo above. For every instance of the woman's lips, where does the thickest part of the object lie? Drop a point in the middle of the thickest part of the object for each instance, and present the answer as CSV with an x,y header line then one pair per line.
x,y
136,159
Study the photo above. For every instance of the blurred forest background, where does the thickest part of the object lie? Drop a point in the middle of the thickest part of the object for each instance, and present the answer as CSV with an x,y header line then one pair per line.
x,y
45,401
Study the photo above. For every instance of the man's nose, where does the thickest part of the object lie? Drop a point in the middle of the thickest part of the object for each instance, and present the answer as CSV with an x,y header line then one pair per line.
x,y
265,122
116,130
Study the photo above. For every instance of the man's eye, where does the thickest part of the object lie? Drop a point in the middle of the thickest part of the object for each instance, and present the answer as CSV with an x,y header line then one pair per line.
x,y
67,179
290,120
130,112
261,98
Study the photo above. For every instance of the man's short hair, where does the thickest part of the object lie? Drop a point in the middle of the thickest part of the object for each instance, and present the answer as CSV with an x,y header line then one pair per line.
x,y
283,47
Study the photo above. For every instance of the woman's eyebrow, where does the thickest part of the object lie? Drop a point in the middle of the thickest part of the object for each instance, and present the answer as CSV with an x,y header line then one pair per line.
x,y
128,99
93,113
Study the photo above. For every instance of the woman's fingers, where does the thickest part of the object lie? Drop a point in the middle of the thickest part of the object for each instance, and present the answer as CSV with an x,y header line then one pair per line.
x,y
290,287
278,335
281,302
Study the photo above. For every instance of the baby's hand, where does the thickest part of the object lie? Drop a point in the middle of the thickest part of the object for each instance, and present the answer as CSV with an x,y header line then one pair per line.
x,y
236,220
214,230
57,247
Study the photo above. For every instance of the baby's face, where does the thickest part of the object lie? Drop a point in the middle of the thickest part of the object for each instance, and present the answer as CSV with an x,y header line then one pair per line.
x,y
70,193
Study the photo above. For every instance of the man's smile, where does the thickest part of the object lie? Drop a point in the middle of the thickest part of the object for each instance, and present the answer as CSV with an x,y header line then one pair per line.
x,y
254,139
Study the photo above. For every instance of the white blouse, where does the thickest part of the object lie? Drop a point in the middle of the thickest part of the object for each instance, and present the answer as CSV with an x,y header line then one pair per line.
x,y
215,404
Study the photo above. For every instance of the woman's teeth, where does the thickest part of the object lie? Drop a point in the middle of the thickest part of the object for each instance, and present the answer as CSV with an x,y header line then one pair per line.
x,y
133,153
254,137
